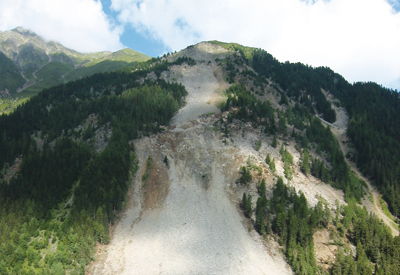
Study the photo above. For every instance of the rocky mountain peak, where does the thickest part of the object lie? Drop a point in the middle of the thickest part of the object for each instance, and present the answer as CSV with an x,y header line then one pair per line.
x,y
24,31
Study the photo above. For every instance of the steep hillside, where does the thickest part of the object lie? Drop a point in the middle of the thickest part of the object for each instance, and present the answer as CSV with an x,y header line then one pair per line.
x,y
33,64
372,201
197,160
216,159
184,219
11,79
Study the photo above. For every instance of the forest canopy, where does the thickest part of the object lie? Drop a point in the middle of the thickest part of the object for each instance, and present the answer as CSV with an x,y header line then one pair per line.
x,y
68,190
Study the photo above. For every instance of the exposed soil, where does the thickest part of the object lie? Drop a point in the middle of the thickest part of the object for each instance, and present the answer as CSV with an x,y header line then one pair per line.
x,y
13,170
155,187
325,251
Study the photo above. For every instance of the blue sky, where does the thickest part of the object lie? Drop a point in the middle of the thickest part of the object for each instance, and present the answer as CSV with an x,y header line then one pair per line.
x,y
146,43
141,42
359,39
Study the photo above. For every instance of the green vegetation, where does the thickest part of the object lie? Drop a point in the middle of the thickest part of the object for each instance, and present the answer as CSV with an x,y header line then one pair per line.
x,y
288,216
270,162
245,175
385,209
10,75
287,159
127,56
294,79
247,205
257,145
299,82
253,166
9,104
244,51
262,223
66,194
260,113
377,250
339,174
294,223
243,105
305,162
274,141
374,129
39,67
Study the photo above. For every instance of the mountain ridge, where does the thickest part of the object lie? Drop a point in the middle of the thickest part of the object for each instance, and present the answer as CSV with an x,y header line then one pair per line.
x,y
42,64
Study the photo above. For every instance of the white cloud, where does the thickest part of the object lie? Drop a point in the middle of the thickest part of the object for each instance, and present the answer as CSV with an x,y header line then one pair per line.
x,y
78,24
359,39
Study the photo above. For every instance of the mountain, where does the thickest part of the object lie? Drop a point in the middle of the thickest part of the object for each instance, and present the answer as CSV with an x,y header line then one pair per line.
x,y
216,159
10,76
30,64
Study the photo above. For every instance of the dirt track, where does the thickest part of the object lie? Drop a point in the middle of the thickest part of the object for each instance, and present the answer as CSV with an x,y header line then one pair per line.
x,y
339,129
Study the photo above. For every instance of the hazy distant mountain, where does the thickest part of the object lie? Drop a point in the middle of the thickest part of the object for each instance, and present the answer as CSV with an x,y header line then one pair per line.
x,y
29,63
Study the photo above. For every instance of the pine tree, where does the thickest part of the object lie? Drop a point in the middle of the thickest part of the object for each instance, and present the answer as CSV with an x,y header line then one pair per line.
x,y
262,188
244,201
268,159
305,163
249,206
274,141
245,175
260,222
270,162
337,267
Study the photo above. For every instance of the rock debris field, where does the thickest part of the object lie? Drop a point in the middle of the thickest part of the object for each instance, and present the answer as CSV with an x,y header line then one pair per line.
x,y
185,218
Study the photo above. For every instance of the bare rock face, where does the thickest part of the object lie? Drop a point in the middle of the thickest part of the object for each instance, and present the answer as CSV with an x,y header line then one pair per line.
x,y
20,45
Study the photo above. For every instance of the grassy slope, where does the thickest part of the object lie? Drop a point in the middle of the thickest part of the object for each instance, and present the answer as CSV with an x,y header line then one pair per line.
x,y
247,51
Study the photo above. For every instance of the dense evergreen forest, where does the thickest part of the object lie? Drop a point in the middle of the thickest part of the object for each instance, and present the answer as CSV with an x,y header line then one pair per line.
x,y
68,190
373,128
374,113
287,213
316,137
